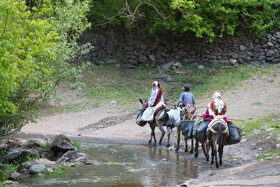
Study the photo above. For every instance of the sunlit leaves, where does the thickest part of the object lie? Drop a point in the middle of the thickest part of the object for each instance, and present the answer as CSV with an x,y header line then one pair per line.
x,y
35,50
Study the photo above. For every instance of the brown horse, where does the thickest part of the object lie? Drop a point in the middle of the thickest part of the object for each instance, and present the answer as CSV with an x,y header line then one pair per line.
x,y
159,121
216,130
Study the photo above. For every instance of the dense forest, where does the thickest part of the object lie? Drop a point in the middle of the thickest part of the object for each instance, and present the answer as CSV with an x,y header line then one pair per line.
x,y
39,38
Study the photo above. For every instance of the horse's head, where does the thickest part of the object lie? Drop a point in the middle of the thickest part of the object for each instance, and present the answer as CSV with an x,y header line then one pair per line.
x,y
140,113
144,104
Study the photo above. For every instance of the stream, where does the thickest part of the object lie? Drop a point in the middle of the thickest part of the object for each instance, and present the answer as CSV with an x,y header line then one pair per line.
x,y
123,166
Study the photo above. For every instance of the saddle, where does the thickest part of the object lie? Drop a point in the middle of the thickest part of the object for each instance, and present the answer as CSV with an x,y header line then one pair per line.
x,y
159,112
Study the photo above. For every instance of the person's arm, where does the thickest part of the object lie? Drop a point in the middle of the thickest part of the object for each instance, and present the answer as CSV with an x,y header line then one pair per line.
x,y
180,100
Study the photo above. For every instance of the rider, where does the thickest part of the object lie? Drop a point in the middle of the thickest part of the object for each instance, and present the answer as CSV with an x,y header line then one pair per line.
x,y
186,97
156,100
187,101
217,107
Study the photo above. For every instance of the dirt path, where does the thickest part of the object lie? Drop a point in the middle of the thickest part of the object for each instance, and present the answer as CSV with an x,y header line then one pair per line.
x,y
256,97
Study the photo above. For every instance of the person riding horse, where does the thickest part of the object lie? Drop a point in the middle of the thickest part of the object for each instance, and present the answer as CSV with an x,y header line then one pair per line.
x,y
186,97
217,107
156,100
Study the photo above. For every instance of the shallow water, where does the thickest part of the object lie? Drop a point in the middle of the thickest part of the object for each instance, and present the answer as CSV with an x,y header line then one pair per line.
x,y
123,166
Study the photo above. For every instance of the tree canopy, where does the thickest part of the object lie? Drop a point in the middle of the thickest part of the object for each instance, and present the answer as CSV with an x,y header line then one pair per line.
x,y
210,18
37,42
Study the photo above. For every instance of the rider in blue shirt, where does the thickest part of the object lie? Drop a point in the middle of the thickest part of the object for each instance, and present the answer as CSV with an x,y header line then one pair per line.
x,y
186,97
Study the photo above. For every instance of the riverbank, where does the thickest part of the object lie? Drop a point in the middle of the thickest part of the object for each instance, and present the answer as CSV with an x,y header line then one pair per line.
x,y
254,98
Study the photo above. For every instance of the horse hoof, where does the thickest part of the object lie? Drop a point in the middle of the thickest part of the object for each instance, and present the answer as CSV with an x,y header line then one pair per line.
x,y
196,155
176,149
191,151
150,141
186,150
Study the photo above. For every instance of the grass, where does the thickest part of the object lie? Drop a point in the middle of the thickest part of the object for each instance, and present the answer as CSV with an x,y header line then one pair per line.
x,y
268,155
46,146
76,144
106,83
249,127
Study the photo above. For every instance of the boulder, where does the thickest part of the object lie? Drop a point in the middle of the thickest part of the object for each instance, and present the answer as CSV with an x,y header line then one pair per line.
x,y
72,156
18,154
36,168
62,144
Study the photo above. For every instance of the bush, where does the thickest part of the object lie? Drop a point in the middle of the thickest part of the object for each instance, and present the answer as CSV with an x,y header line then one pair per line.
x,y
37,44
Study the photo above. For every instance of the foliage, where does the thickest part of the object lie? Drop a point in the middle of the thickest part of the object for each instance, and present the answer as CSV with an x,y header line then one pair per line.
x,y
77,144
46,146
37,44
210,18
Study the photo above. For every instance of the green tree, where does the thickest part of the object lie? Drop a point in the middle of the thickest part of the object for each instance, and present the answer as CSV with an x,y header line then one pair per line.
x,y
37,44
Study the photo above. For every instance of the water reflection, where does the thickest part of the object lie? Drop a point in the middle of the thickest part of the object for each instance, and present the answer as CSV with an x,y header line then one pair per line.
x,y
126,166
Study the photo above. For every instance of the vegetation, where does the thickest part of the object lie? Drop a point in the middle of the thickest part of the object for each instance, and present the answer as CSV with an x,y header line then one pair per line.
x,y
253,127
211,18
77,144
37,43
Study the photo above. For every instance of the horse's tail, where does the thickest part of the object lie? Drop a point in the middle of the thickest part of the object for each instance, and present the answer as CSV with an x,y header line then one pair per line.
x,y
220,134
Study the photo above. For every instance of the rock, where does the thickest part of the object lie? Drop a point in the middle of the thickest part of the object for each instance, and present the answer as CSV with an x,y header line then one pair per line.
x,y
62,144
166,67
269,53
242,48
168,78
152,57
111,61
160,76
233,61
261,58
235,56
14,176
33,143
113,102
36,168
200,67
133,62
11,183
177,65
18,154
72,156
269,44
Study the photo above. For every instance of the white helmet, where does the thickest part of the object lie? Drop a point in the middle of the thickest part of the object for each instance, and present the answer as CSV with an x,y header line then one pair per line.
x,y
217,95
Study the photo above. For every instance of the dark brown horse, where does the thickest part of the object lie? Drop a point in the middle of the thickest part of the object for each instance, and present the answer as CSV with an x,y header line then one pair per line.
x,y
217,131
159,121
189,115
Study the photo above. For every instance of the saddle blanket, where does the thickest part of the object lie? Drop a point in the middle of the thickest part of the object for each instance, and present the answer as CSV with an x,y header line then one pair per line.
x,y
148,114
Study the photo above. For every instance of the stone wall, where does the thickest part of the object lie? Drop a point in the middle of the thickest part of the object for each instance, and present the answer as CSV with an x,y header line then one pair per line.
x,y
129,48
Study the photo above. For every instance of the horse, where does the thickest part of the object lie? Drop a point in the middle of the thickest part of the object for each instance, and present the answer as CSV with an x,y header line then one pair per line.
x,y
186,115
217,129
161,119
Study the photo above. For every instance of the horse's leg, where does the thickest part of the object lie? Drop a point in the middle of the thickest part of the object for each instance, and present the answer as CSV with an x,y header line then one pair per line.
x,y
178,137
221,148
153,135
196,148
214,153
162,133
204,148
168,136
186,144
191,151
